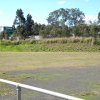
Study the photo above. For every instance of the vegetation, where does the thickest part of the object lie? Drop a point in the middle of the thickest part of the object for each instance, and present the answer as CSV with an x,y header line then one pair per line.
x,y
15,66
62,17
51,45
66,31
61,23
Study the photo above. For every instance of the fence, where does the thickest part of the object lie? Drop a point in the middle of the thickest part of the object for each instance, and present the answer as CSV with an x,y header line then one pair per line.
x,y
19,86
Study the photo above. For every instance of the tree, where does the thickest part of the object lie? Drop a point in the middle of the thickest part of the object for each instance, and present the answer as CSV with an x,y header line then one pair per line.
x,y
19,24
94,30
45,31
36,28
57,17
19,19
3,35
81,30
28,25
20,32
76,17
65,31
99,17
61,17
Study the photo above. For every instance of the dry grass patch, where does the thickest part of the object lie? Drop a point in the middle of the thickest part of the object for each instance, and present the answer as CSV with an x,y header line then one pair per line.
x,y
10,61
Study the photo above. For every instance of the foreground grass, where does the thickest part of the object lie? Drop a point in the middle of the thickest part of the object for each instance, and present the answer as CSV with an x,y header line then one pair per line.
x,y
10,61
19,61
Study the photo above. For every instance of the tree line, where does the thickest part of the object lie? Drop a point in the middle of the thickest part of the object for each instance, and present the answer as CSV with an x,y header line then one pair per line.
x,y
61,23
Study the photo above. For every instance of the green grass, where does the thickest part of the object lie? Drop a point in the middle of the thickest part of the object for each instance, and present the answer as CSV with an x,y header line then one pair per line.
x,y
56,47
51,45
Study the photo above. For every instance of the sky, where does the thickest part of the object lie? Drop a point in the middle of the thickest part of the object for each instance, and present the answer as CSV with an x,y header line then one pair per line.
x,y
40,9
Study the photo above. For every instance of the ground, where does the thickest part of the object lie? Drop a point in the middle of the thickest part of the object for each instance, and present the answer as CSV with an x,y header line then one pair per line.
x,y
80,80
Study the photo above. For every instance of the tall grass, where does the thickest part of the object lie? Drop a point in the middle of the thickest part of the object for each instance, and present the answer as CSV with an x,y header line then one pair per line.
x,y
50,41
54,44
69,40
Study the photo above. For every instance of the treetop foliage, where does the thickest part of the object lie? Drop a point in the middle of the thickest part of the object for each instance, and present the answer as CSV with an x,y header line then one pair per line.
x,y
19,19
70,17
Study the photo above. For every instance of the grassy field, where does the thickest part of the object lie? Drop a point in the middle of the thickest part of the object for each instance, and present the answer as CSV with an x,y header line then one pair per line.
x,y
10,61
17,66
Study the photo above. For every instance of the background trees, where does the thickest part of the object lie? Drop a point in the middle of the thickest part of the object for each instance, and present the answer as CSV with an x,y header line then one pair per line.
x,y
28,25
76,17
61,23
73,20
99,17
62,17
23,26
19,19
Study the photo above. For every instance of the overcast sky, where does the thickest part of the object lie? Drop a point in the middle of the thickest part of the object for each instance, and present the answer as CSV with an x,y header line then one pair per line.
x,y
40,9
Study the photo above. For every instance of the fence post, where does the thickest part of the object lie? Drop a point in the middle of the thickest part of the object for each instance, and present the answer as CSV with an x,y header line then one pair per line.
x,y
18,92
